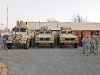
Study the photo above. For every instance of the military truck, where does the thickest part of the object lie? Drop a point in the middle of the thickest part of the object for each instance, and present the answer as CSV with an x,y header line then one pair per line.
x,y
67,38
44,37
21,35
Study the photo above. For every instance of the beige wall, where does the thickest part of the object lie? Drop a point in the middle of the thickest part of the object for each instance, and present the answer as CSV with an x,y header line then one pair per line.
x,y
74,26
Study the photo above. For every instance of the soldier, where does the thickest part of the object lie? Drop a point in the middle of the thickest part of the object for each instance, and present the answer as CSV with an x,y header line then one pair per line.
x,y
97,45
84,45
92,44
87,44
5,38
0,42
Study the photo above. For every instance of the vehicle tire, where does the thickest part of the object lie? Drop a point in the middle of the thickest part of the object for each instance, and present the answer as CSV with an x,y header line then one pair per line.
x,y
60,45
9,45
36,45
31,42
27,45
55,42
75,45
52,45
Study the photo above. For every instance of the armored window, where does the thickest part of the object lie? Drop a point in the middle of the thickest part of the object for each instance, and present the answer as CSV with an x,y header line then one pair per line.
x,y
63,32
69,32
41,32
23,29
16,29
47,32
37,30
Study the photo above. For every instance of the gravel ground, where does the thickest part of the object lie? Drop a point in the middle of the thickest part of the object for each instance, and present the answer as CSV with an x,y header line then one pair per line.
x,y
47,61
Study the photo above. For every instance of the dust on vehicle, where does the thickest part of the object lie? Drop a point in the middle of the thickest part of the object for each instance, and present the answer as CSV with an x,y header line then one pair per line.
x,y
44,37
21,35
67,38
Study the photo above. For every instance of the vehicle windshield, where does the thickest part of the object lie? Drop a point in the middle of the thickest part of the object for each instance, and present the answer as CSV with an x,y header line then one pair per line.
x,y
23,29
69,32
16,29
48,32
41,32
63,32
19,30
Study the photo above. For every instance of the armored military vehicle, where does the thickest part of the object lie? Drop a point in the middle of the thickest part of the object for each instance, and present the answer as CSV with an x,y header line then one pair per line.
x,y
67,38
21,35
44,37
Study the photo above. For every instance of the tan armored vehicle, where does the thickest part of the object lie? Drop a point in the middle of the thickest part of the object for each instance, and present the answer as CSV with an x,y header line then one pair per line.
x,y
21,35
67,38
44,37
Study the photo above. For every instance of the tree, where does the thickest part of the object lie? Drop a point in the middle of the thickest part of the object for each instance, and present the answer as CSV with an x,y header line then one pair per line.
x,y
79,19
51,20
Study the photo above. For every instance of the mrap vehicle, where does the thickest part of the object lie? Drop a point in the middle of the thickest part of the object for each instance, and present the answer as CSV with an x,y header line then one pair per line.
x,y
21,35
45,37
67,38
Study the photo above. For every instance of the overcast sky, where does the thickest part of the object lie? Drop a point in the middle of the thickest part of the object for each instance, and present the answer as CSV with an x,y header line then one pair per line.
x,y
35,10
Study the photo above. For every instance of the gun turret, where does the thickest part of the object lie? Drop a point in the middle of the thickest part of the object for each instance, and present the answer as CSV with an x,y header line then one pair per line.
x,y
44,28
65,28
21,23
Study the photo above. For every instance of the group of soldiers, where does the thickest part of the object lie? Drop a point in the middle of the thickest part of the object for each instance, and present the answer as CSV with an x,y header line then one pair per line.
x,y
90,45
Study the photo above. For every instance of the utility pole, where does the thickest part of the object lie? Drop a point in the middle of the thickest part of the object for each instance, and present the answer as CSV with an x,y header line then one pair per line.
x,y
39,24
7,17
57,26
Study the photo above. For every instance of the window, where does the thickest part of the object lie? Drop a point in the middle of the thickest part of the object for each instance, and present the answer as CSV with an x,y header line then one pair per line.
x,y
41,32
47,32
95,32
23,29
63,32
69,32
17,29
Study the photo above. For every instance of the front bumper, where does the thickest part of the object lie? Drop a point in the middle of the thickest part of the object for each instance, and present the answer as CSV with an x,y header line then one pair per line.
x,y
68,42
16,42
44,42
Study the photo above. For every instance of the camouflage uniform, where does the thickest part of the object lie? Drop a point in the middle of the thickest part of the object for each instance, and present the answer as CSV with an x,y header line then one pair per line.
x,y
84,45
97,44
92,45
87,44
0,43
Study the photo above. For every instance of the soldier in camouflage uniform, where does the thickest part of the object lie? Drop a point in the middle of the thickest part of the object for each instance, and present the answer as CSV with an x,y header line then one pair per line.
x,y
87,44
92,45
0,42
84,45
4,41
97,45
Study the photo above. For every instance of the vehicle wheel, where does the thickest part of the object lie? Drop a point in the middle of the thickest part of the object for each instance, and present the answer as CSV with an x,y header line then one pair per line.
x,y
75,45
36,45
52,45
55,41
26,45
9,45
31,42
60,45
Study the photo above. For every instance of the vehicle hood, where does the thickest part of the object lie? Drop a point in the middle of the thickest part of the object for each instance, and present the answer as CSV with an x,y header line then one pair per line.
x,y
44,35
68,36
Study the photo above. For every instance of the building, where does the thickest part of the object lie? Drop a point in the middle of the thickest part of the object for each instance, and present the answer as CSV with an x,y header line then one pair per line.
x,y
79,29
